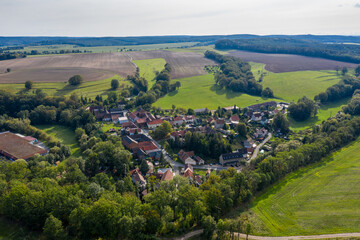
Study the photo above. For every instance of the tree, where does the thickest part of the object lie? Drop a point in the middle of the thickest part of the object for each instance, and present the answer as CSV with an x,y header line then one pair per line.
x,y
163,130
267,93
76,80
190,112
28,85
53,228
281,122
144,167
303,109
209,225
344,71
248,230
114,84
357,71
241,129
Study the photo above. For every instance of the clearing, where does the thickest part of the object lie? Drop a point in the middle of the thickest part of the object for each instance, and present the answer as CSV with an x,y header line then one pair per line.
x,y
289,63
64,134
148,67
319,199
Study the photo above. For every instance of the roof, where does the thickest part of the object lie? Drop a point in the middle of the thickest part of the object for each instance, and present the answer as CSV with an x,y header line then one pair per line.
x,y
220,121
178,118
229,156
168,175
235,118
185,155
17,147
137,175
29,138
155,122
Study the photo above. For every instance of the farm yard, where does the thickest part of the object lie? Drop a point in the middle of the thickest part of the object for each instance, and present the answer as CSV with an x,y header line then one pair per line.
x,y
322,198
279,63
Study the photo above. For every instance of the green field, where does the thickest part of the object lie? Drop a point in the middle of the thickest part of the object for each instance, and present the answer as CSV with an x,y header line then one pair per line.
x,y
65,135
148,67
201,91
88,89
322,198
325,111
291,86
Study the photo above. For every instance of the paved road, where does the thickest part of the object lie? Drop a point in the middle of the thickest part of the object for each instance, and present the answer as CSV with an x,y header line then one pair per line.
x,y
257,149
323,236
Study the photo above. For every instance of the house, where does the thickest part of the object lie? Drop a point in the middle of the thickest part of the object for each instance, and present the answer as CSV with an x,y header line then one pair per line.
x,y
126,125
186,157
235,119
189,172
122,120
256,117
260,134
230,158
133,131
178,134
151,167
168,175
190,119
199,160
178,120
16,146
230,108
154,124
219,123
249,145
137,178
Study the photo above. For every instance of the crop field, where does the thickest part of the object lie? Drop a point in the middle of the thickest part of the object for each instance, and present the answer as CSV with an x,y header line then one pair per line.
x,y
64,134
106,49
86,89
184,64
200,92
148,67
92,67
322,198
279,63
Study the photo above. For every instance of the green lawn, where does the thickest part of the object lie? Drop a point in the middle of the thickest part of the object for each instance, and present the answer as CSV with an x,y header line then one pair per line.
x,y
291,86
88,89
322,198
148,67
200,91
325,111
64,134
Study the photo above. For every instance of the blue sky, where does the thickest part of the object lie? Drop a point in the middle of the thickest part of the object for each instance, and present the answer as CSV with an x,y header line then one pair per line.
x,y
177,17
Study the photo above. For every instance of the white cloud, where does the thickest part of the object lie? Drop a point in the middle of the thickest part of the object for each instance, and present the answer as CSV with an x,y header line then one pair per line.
x,y
169,17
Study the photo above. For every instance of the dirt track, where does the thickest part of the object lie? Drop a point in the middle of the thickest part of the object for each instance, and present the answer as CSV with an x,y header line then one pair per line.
x,y
288,63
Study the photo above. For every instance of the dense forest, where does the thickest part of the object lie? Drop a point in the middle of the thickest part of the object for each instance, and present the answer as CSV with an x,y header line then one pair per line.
x,y
339,52
235,74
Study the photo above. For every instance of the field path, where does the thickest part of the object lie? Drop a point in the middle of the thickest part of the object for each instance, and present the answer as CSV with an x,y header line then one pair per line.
x,y
131,60
242,235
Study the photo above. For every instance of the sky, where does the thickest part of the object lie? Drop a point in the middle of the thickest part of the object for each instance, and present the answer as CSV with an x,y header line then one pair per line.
x,y
177,17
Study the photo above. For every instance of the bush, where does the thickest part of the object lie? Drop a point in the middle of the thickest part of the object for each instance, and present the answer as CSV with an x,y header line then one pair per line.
x,y
28,85
76,80
114,84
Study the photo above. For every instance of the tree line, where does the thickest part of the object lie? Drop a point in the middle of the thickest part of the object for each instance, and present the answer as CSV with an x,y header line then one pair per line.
x,y
236,75
339,52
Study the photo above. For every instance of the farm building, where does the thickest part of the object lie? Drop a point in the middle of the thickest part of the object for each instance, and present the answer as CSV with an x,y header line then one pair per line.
x,y
15,146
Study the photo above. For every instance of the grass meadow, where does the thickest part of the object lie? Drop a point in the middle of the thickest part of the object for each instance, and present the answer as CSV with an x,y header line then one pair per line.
x,y
321,198
148,67
64,134
86,89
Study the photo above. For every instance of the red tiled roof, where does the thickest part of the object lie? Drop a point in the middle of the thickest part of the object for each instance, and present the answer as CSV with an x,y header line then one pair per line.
x,y
168,175
155,122
178,118
235,118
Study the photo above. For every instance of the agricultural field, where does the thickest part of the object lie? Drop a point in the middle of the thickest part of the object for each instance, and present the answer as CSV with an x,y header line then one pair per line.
x,y
64,134
92,67
322,198
279,63
148,67
183,64
107,49
86,89
201,91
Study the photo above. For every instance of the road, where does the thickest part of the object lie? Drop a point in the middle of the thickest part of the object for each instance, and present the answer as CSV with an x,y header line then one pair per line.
x,y
257,149
242,235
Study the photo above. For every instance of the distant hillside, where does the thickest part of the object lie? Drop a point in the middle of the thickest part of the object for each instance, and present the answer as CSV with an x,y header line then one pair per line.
x,y
296,45
118,41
